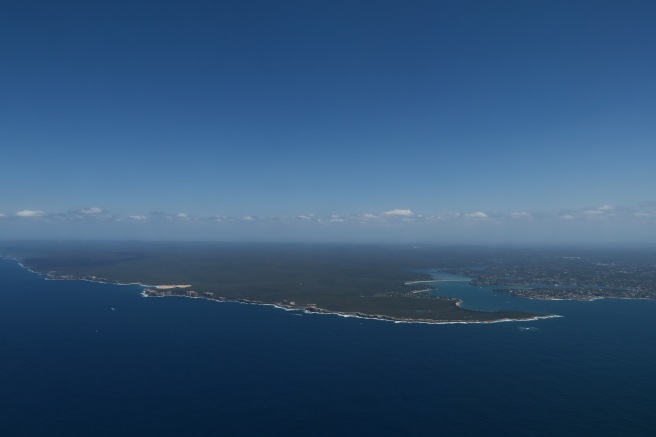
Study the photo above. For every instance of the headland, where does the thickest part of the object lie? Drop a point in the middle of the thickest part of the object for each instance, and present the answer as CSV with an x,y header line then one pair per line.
x,y
375,282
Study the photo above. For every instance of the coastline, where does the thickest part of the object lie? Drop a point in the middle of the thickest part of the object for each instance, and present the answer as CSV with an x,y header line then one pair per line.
x,y
183,291
311,309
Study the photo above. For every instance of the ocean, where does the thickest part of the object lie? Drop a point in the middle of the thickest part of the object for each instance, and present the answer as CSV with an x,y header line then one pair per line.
x,y
83,358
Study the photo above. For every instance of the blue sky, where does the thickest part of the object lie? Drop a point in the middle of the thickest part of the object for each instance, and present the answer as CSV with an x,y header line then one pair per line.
x,y
437,121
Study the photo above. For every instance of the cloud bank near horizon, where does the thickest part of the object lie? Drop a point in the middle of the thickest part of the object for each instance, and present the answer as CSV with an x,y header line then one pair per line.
x,y
97,214
598,223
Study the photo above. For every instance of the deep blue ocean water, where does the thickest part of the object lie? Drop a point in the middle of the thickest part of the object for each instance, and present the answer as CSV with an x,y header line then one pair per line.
x,y
72,365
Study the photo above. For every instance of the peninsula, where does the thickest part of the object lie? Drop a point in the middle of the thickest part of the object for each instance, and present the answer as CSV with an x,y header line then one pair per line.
x,y
367,281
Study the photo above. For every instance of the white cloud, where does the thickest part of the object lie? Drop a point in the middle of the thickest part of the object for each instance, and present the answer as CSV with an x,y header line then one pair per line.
x,y
2,215
138,217
333,218
477,215
92,210
399,212
305,217
29,213
596,212
603,212
248,218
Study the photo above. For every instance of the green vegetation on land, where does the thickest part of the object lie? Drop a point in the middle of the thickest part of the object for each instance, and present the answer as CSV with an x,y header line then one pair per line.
x,y
365,280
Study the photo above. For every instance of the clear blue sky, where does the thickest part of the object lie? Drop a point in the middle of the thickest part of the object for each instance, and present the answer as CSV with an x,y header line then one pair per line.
x,y
329,120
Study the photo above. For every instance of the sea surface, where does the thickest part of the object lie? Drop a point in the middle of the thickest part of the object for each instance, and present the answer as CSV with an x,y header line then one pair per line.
x,y
83,358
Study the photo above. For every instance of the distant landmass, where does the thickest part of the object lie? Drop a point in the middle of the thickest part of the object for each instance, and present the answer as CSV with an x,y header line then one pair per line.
x,y
384,282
